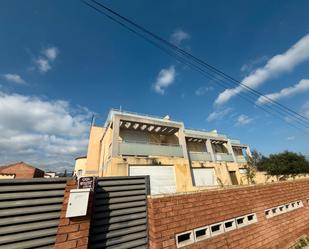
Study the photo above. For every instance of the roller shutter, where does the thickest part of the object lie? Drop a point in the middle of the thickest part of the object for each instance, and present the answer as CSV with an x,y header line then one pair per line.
x,y
162,178
204,177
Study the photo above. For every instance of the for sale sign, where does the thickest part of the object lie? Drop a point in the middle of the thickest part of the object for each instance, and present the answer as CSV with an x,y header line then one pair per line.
x,y
86,182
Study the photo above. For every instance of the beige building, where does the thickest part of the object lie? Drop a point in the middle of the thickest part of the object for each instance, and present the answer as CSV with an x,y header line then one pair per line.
x,y
176,159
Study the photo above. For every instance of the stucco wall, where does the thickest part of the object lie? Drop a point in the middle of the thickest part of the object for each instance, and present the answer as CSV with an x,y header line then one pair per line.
x,y
80,164
120,167
94,149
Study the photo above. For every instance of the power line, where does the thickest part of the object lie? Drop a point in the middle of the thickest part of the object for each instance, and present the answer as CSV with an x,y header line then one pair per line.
x,y
212,68
180,57
122,24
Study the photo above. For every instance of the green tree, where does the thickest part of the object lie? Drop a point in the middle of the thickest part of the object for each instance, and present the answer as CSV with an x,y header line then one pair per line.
x,y
284,164
256,157
251,166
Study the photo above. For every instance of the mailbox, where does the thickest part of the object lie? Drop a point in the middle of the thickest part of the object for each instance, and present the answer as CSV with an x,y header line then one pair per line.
x,y
78,202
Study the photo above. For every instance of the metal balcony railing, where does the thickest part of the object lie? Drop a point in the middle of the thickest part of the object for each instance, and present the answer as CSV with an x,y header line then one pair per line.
x,y
200,156
241,159
224,157
150,149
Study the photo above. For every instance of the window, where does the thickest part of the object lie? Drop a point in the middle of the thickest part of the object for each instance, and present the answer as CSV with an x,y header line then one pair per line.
x,y
184,239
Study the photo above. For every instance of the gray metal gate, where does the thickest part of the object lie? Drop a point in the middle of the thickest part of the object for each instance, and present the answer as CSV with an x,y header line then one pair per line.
x,y
120,213
30,212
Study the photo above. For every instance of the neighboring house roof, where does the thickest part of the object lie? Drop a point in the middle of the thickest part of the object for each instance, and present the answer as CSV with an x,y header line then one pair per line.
x,y
18,163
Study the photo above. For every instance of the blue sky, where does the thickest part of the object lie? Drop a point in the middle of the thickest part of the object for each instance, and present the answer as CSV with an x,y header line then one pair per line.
x,y
61,61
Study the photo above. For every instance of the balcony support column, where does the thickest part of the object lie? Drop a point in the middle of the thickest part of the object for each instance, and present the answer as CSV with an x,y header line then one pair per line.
x,y
248,152
182,142
210,150
115,136
230,150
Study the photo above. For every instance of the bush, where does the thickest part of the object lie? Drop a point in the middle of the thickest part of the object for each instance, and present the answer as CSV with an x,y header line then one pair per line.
x,y
303,242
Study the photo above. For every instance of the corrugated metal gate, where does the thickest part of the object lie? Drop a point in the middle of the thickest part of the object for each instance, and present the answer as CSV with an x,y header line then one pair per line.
x,y
29,212
120,213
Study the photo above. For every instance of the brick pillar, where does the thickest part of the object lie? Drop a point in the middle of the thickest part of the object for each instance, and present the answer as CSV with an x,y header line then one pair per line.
x,y
73,232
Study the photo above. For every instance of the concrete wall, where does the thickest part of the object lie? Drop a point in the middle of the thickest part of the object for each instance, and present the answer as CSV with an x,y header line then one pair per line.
x,y
171,215
80,164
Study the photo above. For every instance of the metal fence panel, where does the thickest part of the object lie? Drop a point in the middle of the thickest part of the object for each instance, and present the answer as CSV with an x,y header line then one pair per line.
x,y
30,212
120,213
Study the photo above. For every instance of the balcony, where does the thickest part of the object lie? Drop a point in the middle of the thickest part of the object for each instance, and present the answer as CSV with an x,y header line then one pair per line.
x,y
235,141
224,157
241,159
202,133
200,156
148,149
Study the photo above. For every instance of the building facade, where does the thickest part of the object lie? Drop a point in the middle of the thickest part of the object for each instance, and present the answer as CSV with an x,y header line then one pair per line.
x,y
177,159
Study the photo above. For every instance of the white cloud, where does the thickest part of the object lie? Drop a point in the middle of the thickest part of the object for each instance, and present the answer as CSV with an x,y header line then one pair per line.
x,y
217,115
43,65
165,78
248,67
51,53
48,134
278,64
178,36
203,90
291,138
15,78
301,87
44,61
243,120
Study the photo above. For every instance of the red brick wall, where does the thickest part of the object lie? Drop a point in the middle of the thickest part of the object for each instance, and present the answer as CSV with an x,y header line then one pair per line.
x,y
170,215
73,232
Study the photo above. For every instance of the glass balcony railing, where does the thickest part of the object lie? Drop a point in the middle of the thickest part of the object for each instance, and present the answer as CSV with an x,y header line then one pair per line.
x,y
200,156
241,159
235,141
203,133
140,115
224,157
148,149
